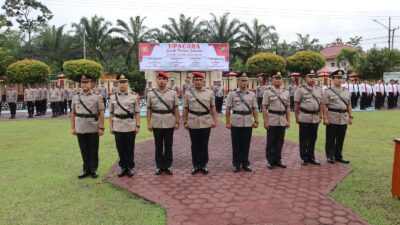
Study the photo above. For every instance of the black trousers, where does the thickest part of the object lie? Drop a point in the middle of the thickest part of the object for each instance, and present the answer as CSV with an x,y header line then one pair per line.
x,y
163,138
13,108
396,99
199,139
30,107
259,103
65,106
353,99
89,145
125,142
292,103
44,106
275,140
370,100
219,101
54,107
308,133
391,100
335,135
364,101
69,105
104,101
378,100
241,138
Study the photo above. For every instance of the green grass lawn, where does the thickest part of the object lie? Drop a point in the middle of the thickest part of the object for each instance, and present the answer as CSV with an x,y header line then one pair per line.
x,y
39,162
370,148
40,159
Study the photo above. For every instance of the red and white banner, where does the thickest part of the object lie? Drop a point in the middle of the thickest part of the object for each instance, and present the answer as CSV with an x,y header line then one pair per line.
x,y
184,56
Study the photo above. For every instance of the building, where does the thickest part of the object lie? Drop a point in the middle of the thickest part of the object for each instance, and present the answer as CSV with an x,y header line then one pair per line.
x,y
330,53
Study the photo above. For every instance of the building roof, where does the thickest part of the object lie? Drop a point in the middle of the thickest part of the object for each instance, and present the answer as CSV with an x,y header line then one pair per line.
x,y
333,51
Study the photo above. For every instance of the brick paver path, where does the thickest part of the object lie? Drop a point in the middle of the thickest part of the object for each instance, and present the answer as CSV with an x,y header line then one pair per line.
x,y
296,195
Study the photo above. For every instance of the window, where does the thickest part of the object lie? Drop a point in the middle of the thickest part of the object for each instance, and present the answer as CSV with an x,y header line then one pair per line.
x,y
332,64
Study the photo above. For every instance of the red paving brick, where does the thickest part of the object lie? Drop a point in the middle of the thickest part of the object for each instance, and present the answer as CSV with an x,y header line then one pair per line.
x,y
296,195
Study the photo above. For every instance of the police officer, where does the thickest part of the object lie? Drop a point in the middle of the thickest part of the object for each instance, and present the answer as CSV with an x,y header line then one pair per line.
x,y
173,85
71,91
262,86
38,99
148,89
102,90
54,95
244,106
337,114
199,104
45,97
11,99
308,114
29,98
114,89
87,123
124,124
162,120
219,96
187,85
276,114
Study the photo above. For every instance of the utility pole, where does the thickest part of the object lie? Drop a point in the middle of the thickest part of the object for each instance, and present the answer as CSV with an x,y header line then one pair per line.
x,y
393,30
389,29
84,43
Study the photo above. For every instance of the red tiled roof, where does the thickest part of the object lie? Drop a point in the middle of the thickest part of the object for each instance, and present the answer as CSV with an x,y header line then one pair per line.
x,y
333,51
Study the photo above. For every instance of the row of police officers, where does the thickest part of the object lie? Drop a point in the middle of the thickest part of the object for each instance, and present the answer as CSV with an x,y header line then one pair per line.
x,y
333,107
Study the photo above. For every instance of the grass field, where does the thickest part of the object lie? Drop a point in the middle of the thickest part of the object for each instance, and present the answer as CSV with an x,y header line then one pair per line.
x,y
39,162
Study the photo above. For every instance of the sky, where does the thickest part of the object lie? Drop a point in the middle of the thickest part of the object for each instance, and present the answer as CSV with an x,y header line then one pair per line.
x,y
324,20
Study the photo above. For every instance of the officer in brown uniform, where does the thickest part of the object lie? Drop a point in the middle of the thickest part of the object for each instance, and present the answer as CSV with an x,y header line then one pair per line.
x,y
114,89
244,106
44,97
29,98
276,114
71,91
198,105
124,124
308,113
54,95
11,99
87,123
102,90
337,114
148,89
186,86
38,99
162,120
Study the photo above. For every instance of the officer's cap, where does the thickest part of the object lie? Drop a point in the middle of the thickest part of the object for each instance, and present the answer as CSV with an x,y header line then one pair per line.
x,y
337,74
198,75
86,78
122,77
243,76
277,76
310,74
162,74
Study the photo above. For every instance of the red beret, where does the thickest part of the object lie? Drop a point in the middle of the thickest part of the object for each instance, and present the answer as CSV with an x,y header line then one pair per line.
x,y
162,74
198,74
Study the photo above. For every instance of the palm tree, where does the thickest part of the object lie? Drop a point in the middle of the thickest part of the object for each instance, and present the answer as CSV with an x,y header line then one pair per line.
x,y
224,31
186,30
256,36
304,43
348,54
96,31
134,33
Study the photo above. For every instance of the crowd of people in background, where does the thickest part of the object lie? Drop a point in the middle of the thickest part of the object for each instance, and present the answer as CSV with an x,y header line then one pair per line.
x,y
364,94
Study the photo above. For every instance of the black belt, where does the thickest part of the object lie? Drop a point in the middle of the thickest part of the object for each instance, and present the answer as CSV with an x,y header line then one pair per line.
x,y
242,112
337,110
125,116
96,117
277,112
162,111
308,111
198,113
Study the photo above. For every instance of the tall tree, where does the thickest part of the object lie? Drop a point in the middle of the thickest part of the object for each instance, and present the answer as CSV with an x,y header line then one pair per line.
x,y
29,14
134,32
185,30
221,30
355,41
304,43
256,36
96,31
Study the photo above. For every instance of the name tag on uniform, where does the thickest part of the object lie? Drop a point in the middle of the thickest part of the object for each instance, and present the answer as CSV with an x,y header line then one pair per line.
x,y
334,97
274,98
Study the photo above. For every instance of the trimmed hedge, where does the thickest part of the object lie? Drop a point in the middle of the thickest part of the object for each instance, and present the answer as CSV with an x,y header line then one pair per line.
x,y
74,69
28,71
266,63
305,61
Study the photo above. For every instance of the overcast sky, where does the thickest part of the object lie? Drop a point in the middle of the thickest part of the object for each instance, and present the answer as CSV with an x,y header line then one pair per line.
x,y
324,20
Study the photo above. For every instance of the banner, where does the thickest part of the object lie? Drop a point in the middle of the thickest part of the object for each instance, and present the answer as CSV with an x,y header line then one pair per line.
x,y
184,56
